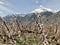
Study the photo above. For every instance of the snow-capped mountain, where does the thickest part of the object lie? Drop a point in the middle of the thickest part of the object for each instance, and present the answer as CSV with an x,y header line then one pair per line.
x,y
43,9
47,16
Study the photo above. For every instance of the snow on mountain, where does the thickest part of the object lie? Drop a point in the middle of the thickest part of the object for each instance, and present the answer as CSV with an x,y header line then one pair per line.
x,y
43,9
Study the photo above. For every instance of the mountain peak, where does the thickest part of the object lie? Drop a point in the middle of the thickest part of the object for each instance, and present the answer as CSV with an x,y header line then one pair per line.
x,y
43,9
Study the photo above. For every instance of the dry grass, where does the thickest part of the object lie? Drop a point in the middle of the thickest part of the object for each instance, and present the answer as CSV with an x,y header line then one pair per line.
x,y
15,33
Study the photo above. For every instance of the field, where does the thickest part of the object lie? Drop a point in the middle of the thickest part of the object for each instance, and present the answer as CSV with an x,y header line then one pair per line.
x,y
16,33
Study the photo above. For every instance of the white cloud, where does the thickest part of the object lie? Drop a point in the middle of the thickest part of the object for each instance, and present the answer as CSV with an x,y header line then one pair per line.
x,y
41,6
1,2
4,3
36,2
7,8
4,9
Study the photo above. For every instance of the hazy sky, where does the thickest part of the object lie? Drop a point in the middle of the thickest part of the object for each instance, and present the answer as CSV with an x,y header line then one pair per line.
x,y
25,6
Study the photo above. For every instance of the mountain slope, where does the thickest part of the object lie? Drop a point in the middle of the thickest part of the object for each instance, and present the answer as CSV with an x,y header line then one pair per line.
x,y
47,16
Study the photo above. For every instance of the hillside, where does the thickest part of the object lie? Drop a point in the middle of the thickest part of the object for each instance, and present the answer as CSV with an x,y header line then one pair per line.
x,y
47,16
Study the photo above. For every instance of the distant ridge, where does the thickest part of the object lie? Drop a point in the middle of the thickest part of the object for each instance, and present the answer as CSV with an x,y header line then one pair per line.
x,y
47,16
